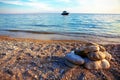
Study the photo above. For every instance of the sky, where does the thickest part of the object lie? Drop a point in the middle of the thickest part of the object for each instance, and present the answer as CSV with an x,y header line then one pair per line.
x,y
57,6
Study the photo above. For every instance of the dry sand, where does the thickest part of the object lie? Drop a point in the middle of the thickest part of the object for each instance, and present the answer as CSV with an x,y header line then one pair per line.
x,y
29,59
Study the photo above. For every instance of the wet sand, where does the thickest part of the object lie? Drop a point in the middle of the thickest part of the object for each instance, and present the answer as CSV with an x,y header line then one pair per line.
x,y
30,59
61,36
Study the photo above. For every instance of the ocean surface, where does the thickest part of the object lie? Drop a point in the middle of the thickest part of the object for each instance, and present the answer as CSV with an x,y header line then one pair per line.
x,y
104,25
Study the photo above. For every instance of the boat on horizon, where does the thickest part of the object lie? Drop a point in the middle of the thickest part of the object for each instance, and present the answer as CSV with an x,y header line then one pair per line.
x,y
64,13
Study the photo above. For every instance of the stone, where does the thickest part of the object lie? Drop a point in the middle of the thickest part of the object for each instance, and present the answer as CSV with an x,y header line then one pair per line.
x,y
70,64
87,49
105,64
80,53
101,64
108,56
92,55
91,43
91,47
73,58
96,55
91,64
102,49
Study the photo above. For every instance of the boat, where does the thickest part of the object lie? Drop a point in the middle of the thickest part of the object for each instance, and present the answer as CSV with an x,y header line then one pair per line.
x,y
64,13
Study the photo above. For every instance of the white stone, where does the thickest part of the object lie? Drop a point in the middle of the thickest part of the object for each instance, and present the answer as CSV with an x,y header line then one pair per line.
x,y
70,64
76,59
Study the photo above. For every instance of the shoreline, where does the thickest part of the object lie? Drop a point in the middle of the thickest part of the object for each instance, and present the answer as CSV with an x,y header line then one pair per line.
x,y
8,38
47,36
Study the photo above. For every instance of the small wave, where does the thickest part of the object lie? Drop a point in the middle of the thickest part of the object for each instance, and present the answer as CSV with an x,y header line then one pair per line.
x,y
118,20
41,25
28,31
75,34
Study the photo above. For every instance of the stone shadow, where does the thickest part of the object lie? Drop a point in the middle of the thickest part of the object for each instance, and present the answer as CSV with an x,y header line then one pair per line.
x,y
65,70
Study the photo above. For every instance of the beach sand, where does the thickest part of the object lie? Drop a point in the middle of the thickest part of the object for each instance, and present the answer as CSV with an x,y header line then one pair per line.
x,y
30,59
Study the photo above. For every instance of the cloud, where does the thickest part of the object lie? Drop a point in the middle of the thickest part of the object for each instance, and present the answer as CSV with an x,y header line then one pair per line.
x,y
33,4
66,1
76,6
12,2
98,6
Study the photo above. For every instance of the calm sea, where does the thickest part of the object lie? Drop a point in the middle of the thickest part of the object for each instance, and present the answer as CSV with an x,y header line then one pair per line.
x,y
105,25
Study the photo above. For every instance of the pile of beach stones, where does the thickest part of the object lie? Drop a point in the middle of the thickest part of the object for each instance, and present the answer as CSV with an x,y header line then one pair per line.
x,y
91,56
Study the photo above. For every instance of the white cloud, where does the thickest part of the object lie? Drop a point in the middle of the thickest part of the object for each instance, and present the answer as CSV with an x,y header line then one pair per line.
x,y
96,6
78,6
67,1
34,5
11,2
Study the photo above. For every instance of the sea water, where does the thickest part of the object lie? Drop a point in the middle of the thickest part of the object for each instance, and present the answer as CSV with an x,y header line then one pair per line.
x,y
105,25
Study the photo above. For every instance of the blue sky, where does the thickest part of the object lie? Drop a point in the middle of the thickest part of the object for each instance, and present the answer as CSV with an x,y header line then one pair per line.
x,y
51,6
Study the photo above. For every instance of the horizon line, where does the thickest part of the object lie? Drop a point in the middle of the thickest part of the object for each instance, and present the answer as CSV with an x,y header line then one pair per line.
x,y
60,13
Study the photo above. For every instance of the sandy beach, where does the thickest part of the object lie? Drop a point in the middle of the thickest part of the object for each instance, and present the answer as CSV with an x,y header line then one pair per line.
x,y
30,59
